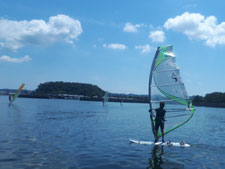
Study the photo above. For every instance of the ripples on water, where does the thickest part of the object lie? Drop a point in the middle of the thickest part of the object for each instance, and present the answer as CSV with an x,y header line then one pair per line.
x,y
74,134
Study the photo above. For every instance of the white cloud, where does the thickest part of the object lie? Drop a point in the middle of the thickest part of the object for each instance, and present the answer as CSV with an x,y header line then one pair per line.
x,y
60,28
144,48
115,46
196,26
129,27
157,36
5,58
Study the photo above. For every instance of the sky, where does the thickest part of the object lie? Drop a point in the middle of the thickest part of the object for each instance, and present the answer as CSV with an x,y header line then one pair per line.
x,y
111,43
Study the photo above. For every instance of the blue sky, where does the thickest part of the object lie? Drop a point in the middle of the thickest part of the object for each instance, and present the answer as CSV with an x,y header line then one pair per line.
x,y
111,43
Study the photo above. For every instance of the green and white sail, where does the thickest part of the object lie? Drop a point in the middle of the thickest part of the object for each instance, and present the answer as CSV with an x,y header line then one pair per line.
x,y
165,84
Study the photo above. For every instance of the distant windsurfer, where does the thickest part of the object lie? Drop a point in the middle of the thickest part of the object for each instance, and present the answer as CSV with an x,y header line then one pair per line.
x,y
121,102
160,120
10,98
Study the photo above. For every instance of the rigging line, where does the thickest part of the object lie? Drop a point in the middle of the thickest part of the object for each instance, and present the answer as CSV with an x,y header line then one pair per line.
x,y
157,101
176,110
177,116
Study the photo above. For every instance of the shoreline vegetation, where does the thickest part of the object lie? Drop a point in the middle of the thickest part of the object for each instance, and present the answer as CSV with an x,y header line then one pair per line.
x,y
89,92
215,99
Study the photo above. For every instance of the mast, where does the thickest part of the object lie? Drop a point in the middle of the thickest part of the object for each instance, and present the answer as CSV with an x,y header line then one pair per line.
x,y
149,92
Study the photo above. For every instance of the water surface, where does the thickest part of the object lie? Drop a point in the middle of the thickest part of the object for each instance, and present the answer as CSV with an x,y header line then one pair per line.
x,y
42,133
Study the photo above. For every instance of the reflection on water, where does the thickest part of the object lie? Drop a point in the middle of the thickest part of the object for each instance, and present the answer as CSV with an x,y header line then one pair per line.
x,y
163,158
156,160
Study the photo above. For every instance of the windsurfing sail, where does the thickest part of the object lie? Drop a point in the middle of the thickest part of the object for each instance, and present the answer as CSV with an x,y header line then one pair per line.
x,y
166,85
106,97
17,92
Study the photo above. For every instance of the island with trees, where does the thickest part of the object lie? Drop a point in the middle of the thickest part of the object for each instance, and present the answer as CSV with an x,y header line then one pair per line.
x,y
79,91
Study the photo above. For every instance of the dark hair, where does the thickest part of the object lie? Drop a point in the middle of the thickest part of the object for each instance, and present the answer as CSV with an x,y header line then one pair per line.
x,y
162,104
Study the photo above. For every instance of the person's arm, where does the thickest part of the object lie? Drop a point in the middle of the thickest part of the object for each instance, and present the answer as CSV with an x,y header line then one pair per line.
x,y
150,110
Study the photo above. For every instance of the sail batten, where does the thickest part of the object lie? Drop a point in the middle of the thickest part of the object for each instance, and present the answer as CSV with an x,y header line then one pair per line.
x,y
172,84
169,70
165,84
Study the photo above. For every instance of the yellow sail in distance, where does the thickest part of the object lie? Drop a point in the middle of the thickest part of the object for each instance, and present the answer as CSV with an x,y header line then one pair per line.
x,y
18,92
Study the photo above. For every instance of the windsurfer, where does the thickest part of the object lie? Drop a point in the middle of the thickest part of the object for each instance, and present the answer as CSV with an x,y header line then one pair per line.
x,y
160,120
10,98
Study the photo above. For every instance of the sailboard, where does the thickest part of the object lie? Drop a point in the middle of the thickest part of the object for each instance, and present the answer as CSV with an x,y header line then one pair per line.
x,y
168,143
17,93
166,85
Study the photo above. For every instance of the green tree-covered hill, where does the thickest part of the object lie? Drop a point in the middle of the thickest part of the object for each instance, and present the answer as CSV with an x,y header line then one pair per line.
x,y
215,99
69,88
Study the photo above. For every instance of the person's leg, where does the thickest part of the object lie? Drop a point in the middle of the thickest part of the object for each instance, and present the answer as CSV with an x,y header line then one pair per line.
x,y
156,131
162,131
163,136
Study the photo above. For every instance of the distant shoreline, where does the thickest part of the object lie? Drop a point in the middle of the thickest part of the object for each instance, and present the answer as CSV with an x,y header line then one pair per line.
x,y
124,100
84,98
119,100
89,92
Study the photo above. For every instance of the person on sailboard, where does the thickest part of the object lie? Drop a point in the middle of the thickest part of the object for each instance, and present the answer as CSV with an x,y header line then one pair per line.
x,y
160,120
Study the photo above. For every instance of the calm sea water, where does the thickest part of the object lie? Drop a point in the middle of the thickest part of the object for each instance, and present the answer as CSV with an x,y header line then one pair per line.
x,y
38,133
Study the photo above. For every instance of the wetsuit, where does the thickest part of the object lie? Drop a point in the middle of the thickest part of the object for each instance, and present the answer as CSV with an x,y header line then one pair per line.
x,y
160,119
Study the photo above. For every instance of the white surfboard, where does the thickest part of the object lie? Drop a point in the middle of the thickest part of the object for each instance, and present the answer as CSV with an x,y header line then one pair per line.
x,y
168,143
